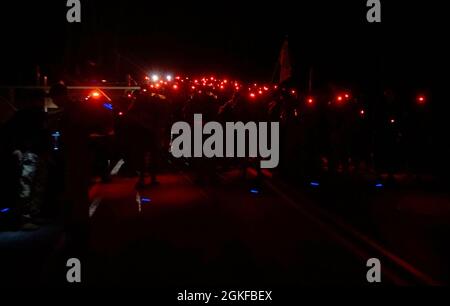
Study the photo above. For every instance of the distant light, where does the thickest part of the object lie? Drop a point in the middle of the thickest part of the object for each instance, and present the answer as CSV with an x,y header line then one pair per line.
x,y
156,85
129,95
252,95
120,114
266,88
225,81
392,121
293,92
146,200
421,99
104,81
4,210
347,96
169,77
260,92
155,78
254,191
314,184
379,185
95,94
362,112
339,98
221,87
177,77
310,100
175,86
193,87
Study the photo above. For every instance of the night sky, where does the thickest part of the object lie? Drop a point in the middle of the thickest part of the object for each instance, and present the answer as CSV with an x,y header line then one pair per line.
x,y
225,38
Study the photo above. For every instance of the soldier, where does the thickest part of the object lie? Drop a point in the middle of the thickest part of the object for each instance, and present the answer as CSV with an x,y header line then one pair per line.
x,y
29,142
75,123
146,124
207,104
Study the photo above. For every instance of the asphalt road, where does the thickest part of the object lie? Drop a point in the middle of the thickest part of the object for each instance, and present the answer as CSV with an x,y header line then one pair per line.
x,y
227,234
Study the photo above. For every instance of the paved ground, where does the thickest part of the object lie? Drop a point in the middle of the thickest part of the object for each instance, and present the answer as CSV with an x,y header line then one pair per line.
x,y
234,233
228,234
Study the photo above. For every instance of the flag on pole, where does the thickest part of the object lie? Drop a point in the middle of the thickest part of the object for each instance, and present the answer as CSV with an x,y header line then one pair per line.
x,y
285,62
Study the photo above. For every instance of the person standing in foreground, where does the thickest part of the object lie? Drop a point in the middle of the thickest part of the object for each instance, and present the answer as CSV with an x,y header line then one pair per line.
x,y
73,121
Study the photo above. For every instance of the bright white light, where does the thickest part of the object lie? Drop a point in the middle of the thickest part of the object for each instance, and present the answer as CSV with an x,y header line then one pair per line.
x,y
169,77
155,78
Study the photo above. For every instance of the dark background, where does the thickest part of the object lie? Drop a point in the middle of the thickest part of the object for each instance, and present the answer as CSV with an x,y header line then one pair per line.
x,y
226,38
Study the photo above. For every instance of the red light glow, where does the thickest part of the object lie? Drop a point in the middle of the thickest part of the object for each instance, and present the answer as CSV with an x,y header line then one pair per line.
x,y
421,99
